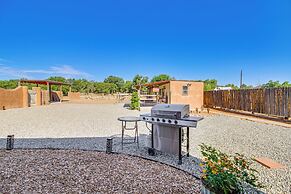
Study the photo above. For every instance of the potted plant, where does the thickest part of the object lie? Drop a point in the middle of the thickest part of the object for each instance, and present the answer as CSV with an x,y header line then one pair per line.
x,y
226,174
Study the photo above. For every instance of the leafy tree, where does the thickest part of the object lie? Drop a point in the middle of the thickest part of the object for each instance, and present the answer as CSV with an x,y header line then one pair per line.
x,y
210,84
105,88
9,84
161,77
244,86
138,80
127,87
232,86
118,81
273,84
286,84
65,88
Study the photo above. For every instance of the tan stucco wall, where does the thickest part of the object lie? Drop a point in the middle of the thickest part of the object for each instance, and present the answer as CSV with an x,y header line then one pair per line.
x,y
194,97
74,96
38,99
44,97
16,98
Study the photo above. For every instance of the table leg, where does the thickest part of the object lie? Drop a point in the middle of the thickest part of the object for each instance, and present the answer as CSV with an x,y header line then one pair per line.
x,y
180,145
136,128
122,133
152,136
188,141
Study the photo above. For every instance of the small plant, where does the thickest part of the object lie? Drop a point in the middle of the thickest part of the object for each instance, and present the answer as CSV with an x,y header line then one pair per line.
x,y
135,104
227,174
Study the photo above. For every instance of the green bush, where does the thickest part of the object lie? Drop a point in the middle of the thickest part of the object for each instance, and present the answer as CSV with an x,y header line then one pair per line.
x,y
135,104
227,174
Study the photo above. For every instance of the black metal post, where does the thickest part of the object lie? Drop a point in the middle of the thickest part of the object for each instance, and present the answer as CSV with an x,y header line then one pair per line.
x,y
10,142
136,129
109,144
188,141
180,145
122,134
151,150
153,136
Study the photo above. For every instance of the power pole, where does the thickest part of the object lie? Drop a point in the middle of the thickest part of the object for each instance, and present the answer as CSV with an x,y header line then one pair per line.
x,y
241,78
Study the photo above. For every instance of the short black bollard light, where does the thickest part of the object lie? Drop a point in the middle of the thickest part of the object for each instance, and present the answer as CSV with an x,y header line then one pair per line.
x,y
10,142
109,144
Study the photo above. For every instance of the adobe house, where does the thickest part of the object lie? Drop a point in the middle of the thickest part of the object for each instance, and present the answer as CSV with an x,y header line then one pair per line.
x,y
22,97
177,92
40,97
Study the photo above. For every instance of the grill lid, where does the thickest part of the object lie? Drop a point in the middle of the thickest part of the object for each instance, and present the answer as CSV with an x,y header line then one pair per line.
x,y
171,110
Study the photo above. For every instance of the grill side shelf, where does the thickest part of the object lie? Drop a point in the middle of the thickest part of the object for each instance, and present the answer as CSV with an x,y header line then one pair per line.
x,y
169,121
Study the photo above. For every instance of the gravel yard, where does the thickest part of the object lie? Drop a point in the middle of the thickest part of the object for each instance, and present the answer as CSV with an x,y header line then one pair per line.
x,y
86,126
64,171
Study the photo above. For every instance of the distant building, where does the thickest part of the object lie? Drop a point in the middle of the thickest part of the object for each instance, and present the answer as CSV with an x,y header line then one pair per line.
x,y
178,92
222,88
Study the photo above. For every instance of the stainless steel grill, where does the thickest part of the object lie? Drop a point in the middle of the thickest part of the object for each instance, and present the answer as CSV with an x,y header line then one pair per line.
x,y
168,123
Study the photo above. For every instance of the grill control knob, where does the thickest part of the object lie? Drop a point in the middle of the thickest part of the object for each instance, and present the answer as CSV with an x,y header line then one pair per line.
x,y
164,120
158,120
176,122
169,121
143,118
153,119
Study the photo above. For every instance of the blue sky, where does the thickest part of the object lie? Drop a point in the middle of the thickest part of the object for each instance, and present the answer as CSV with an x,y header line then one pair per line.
x,y
186,39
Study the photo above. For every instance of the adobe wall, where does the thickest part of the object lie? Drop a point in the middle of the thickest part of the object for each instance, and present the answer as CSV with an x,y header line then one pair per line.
x,y
15,98
194,97
74,96
44,97
38,100
167,92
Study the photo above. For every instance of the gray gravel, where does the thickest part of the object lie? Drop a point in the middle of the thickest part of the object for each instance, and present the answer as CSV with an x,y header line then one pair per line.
x,y
82,126
75,171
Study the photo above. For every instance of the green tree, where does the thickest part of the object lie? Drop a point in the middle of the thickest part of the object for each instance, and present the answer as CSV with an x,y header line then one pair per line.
x,y
105,88
65,88
232,86
118,81
272,84
210,84
244,86
286,84
161,77
80,85
9,84
138,80
127,87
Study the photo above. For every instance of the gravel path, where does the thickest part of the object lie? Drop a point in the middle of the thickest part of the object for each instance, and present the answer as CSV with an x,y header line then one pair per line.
x,y
84,126
70,171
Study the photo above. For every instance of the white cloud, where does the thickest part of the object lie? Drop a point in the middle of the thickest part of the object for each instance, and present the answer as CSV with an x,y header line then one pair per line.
x,y
4,60
61,70
12,72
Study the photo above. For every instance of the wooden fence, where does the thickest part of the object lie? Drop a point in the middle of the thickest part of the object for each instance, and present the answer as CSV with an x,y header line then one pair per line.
x,y
274,101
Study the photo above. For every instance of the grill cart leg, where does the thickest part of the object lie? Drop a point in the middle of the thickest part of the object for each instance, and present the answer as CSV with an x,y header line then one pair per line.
x,y
151,150
188,141
180,146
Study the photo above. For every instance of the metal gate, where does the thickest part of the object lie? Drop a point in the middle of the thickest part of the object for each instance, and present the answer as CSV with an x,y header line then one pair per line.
x,y
31,97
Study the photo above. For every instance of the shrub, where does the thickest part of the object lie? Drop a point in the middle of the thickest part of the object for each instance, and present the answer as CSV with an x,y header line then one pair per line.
x,y
135,104
227,174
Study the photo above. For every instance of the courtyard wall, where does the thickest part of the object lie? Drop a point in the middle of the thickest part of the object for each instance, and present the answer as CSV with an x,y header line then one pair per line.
x,y
14,98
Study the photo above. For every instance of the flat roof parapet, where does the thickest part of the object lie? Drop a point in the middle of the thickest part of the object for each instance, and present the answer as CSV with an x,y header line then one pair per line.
x,y
43,82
